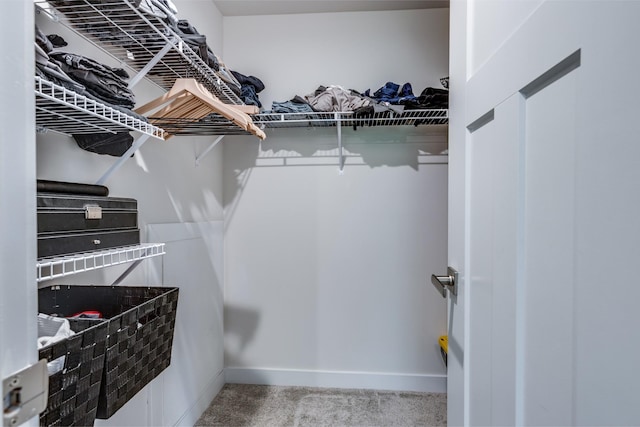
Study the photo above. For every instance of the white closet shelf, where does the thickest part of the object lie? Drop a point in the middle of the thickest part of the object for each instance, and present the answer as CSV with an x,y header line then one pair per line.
x,y
218,125
319,119
60,266
62,110
214,124
144,42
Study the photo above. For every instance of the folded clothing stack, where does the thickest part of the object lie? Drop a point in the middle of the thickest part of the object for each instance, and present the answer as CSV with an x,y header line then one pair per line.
x,y
105,83
91,79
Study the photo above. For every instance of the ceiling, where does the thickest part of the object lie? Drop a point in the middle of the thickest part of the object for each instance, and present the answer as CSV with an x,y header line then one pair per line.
x,y
283,7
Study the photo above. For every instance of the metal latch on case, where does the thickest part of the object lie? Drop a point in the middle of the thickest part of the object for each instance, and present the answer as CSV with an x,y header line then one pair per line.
x,y
92,212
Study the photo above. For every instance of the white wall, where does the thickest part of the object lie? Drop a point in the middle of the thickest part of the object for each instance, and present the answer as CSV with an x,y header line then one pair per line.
x,y
327,275
294,54
171,190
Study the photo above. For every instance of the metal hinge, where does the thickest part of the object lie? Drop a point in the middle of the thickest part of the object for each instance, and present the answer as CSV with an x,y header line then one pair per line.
x,y
24,394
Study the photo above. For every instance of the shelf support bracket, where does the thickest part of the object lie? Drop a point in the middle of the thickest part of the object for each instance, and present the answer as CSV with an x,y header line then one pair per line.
x,y
209,148
340,148
134,147
127,272
152,63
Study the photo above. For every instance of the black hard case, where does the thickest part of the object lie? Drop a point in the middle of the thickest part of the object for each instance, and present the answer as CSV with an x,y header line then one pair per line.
x,y
63,227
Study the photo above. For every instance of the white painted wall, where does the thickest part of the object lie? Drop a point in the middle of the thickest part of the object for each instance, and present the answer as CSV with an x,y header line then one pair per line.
x,y
294,54
173,192
327,275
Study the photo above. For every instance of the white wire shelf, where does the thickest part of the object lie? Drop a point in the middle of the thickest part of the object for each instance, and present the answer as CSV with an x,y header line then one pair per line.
x,y
319,119
65,111
60,266
142,41
214,124
218,125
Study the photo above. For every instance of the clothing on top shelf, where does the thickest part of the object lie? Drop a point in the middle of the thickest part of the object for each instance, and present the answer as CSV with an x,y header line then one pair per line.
x,y
163,9
336,98
93,80
434,98
197,42
430,97
393,93
250,86
100,80
295,105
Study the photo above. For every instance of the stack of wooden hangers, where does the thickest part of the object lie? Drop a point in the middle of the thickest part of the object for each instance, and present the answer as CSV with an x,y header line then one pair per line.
x,y
188,101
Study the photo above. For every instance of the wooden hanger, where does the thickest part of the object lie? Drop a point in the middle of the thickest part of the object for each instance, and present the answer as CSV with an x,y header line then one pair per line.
x,y
190,101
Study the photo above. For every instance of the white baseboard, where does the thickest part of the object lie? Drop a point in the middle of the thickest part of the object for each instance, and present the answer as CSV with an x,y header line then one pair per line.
x,y
332,379
192,415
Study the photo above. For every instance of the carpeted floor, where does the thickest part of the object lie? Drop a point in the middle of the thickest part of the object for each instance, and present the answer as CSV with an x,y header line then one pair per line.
x,y
271,406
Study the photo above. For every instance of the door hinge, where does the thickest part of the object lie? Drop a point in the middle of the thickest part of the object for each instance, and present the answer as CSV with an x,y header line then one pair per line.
x,y
24,394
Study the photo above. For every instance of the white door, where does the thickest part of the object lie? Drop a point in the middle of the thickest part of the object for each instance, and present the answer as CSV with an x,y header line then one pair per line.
x,y
545,213
18,291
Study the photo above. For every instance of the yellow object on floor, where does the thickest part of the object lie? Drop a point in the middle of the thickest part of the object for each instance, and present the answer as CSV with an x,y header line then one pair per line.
x,y
444,342
444,345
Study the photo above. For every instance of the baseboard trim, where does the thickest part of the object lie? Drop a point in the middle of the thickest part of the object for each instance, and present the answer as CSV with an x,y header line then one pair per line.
x,y
192,415
337,379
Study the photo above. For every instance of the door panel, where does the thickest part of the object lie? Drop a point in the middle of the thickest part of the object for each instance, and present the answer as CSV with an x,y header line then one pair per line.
x,y
494,162
552,219
521,208
548,277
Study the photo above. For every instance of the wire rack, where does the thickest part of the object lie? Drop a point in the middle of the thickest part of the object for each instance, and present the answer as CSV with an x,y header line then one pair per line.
x,y
65,111
215,124
137,39
387,118
60,266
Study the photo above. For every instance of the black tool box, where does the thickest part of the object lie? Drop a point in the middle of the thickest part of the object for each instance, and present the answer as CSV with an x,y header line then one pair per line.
x,y
71,223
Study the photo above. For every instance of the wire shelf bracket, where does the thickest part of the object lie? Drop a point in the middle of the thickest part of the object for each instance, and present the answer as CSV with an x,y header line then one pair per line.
x,y
149,66
118,163
208,150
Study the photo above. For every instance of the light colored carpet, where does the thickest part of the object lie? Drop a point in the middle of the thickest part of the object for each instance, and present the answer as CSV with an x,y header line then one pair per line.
x,y
270,406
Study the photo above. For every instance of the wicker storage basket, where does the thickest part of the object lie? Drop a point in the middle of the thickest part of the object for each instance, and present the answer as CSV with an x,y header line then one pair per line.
x,y
140,324
74,390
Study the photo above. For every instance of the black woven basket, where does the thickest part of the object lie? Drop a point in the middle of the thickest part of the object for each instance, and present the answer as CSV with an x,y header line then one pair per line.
x,y
140,322
74,390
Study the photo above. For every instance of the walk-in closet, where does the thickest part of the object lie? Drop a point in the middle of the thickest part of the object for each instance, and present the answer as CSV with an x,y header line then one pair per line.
x,y
301,245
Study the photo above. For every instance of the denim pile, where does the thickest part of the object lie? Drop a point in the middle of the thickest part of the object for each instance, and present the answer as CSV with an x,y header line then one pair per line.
x,y
393,93
91,79
430,97
250,87
295,105
389,99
